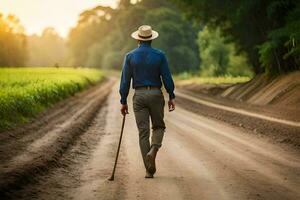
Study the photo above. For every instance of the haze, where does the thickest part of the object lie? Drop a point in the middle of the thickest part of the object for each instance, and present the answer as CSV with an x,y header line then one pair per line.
x,y
36,15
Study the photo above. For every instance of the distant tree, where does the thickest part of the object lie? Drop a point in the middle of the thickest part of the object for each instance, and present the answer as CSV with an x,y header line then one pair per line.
x,y
93,25
46,50
214,53
219,57
281,51
102,35
13,43
123,4
177,38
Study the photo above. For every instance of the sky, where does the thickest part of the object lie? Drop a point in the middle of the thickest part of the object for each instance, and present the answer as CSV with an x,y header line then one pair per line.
x,y
35,15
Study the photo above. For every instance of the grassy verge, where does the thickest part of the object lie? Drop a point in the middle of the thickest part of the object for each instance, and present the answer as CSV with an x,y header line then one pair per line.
x,y
189,79
24,92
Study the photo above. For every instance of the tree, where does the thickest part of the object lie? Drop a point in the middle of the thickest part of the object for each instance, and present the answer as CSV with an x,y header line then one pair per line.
x,y
177,38
252,25
13,43
102,35
93,25
123,4
220,57
46,50
214,53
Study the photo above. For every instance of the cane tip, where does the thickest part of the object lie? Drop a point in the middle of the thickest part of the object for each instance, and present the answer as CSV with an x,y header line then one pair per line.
x,y
111,179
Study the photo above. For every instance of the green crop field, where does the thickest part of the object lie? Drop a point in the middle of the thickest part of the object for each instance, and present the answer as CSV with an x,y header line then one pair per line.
x,y
24,92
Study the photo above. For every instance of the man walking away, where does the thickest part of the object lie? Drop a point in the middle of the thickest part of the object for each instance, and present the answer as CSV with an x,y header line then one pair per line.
x,y
148,68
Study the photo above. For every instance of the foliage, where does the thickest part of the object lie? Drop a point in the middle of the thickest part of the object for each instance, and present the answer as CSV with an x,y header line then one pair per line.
x,y
214,53
282,43
219,57
102,35
27,91
268,30
12,42
177,38
46,50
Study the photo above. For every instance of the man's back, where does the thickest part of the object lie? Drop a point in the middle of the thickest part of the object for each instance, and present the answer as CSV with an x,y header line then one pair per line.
x,y
147,67
145,62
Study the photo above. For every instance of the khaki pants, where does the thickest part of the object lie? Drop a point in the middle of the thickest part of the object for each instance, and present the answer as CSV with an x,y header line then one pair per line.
x,y
149,104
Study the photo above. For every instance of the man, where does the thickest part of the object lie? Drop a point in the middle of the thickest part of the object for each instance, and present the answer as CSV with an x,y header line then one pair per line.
x,y
148,68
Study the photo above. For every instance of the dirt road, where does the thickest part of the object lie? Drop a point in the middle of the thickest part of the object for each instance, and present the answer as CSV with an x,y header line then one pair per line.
x,y
201,158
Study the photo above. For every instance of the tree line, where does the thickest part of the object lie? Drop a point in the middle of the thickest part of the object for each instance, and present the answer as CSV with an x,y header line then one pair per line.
x,y
19,50
206,37
268,31
102,35
13,41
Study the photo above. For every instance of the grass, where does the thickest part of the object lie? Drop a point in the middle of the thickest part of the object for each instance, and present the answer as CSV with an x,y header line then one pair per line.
x,y
24,92
186,78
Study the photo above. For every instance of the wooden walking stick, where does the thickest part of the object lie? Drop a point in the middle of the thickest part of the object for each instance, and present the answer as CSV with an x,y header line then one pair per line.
x,y
116,160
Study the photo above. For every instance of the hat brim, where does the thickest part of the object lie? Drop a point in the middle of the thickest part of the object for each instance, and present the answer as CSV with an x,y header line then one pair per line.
x,y
135,35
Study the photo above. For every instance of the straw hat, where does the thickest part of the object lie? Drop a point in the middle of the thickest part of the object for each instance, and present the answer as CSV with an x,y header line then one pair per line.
x,y
144,33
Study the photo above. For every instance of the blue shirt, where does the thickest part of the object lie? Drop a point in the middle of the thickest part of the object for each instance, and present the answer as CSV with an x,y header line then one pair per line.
x,y
146,66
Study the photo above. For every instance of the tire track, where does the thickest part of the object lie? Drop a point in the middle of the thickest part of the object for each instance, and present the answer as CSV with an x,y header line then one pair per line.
x,y
20,170
61,180
17,140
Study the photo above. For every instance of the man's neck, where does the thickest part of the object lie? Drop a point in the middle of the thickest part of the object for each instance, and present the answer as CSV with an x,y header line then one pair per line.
x,y
145,44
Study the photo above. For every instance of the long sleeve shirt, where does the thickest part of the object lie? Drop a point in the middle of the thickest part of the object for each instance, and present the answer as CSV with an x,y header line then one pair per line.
x,y
145,66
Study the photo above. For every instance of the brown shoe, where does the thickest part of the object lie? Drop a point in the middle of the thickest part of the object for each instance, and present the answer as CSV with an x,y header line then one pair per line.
x,y
148,175
151,155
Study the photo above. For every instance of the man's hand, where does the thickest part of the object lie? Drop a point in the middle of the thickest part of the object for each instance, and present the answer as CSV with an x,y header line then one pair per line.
x,y
171,104
124,109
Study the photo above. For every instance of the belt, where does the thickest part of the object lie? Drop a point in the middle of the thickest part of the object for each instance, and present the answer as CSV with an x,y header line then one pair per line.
x,y
147,88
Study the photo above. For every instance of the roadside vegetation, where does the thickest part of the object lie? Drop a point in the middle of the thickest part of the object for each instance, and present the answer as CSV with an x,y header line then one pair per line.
x,y
24,92
186,78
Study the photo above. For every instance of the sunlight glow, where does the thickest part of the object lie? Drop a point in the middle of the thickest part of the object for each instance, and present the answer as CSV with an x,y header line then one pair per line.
x,y
35,15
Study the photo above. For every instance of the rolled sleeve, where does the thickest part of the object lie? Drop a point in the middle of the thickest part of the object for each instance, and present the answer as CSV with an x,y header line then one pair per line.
x,y
125,80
